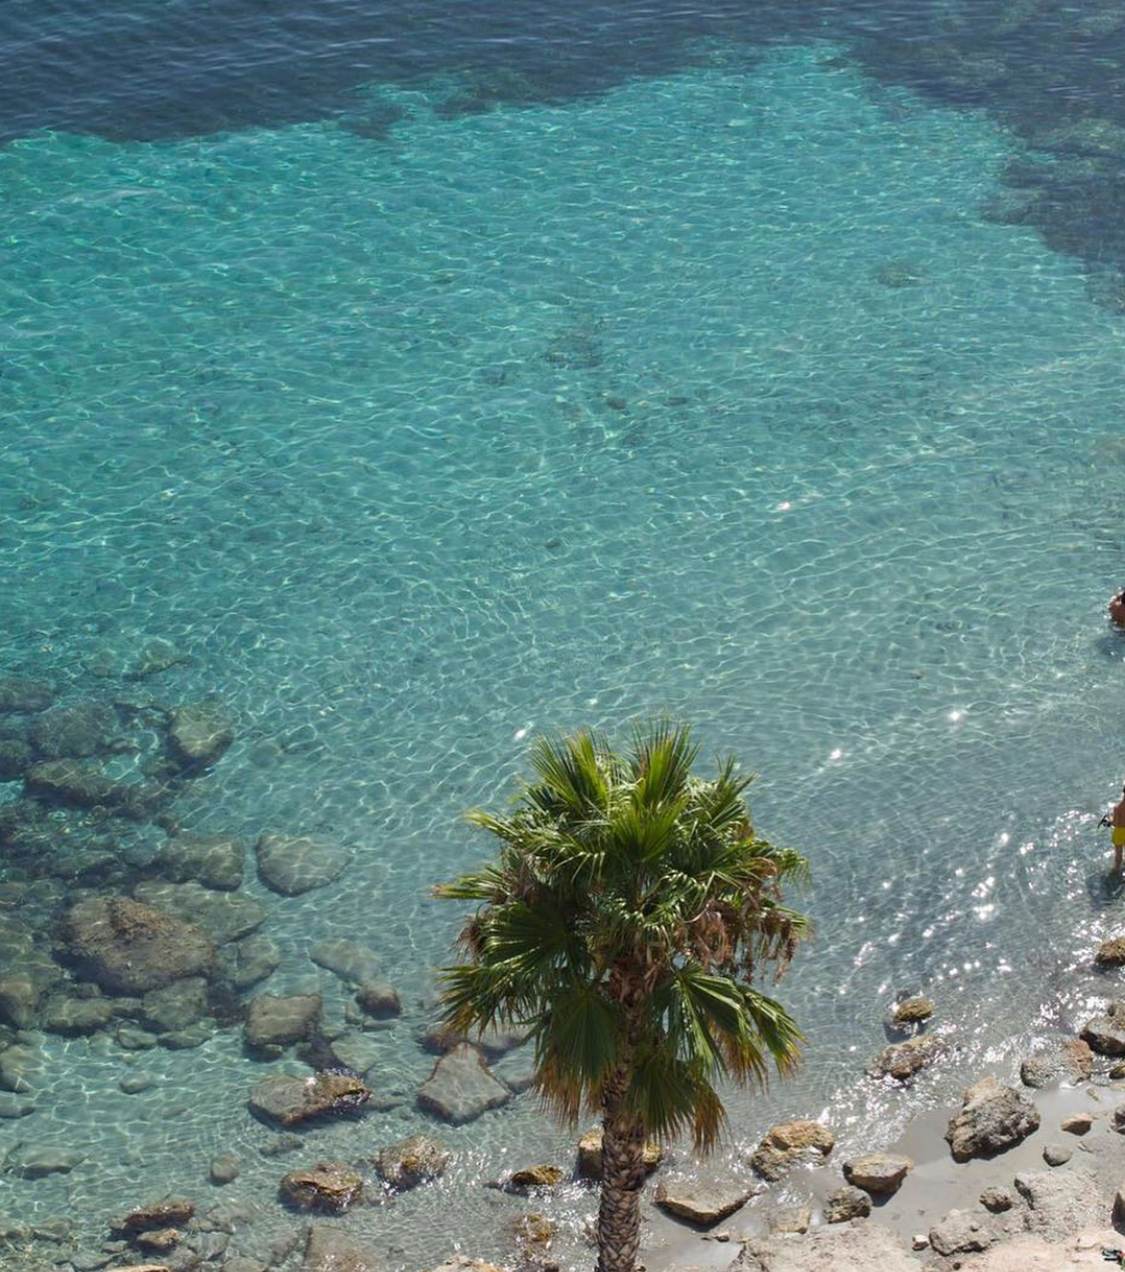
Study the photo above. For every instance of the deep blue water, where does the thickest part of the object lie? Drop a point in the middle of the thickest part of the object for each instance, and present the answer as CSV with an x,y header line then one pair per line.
x,y
432,375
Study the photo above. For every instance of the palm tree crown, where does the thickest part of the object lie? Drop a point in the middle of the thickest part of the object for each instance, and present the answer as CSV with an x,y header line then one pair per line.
x,y
629,908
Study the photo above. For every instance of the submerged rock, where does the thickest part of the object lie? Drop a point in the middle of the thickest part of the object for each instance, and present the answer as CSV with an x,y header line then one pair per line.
x,y
156,656
412,1161
703,1201
993,1118
82,730
495,1041
131,948
23,695
333,1250
84,785
15,758
351,961
275,1022
176,1006
200,733
461,1087
252,960
224,916
224,1169
590,1155
355,1051
327,1186
293,865
37,1163
378,1000
73,1017
289,1101
20,995
212,860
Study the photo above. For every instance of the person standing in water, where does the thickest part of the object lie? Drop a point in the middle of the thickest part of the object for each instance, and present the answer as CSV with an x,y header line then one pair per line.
x,y
1115,819
1117,609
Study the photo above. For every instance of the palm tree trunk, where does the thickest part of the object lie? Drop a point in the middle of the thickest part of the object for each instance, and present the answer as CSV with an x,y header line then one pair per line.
x,y
623,1177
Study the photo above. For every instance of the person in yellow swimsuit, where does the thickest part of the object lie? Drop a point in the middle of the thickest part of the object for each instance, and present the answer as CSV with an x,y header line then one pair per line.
x,y
1115,819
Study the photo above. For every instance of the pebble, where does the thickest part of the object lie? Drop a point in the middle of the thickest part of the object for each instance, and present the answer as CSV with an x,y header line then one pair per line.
x,y
224,1169
135,1083
1056,1154
1077,1123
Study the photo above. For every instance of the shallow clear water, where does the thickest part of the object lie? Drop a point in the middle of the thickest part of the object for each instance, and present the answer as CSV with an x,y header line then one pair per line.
x,y
717,392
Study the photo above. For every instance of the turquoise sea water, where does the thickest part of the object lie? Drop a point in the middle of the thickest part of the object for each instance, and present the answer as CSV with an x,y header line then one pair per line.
x,y
719,392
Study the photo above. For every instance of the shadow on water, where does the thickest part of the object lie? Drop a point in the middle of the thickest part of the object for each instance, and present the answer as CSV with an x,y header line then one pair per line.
x,y
1104,887
134,70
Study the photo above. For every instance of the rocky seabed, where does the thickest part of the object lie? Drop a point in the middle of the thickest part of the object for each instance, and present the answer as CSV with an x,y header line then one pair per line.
x,y
123,927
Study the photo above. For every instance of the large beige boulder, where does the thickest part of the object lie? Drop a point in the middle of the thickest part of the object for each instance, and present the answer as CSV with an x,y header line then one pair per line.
x,y
993,1118
786,1143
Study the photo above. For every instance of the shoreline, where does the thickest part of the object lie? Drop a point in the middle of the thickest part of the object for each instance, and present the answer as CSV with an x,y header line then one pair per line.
x,y
1067,1229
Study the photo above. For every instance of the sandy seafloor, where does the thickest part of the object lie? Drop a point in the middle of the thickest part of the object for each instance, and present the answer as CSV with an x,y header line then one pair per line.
x,y
717,393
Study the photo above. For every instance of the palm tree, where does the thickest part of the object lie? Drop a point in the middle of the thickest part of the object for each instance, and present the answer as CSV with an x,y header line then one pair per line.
x,y
629,908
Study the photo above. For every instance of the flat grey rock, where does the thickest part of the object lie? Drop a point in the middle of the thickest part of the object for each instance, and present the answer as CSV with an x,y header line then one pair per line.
x,y
703,1201
295,864
329,1249
175,1006
12,1107
224,916
356,1050
215,861
37,1163
461,1087
251,960
200,732
276,1022
350,960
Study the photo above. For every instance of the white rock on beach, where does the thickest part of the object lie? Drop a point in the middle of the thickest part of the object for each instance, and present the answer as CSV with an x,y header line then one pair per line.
x,y
853,1247
1061,1202
1027,1253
